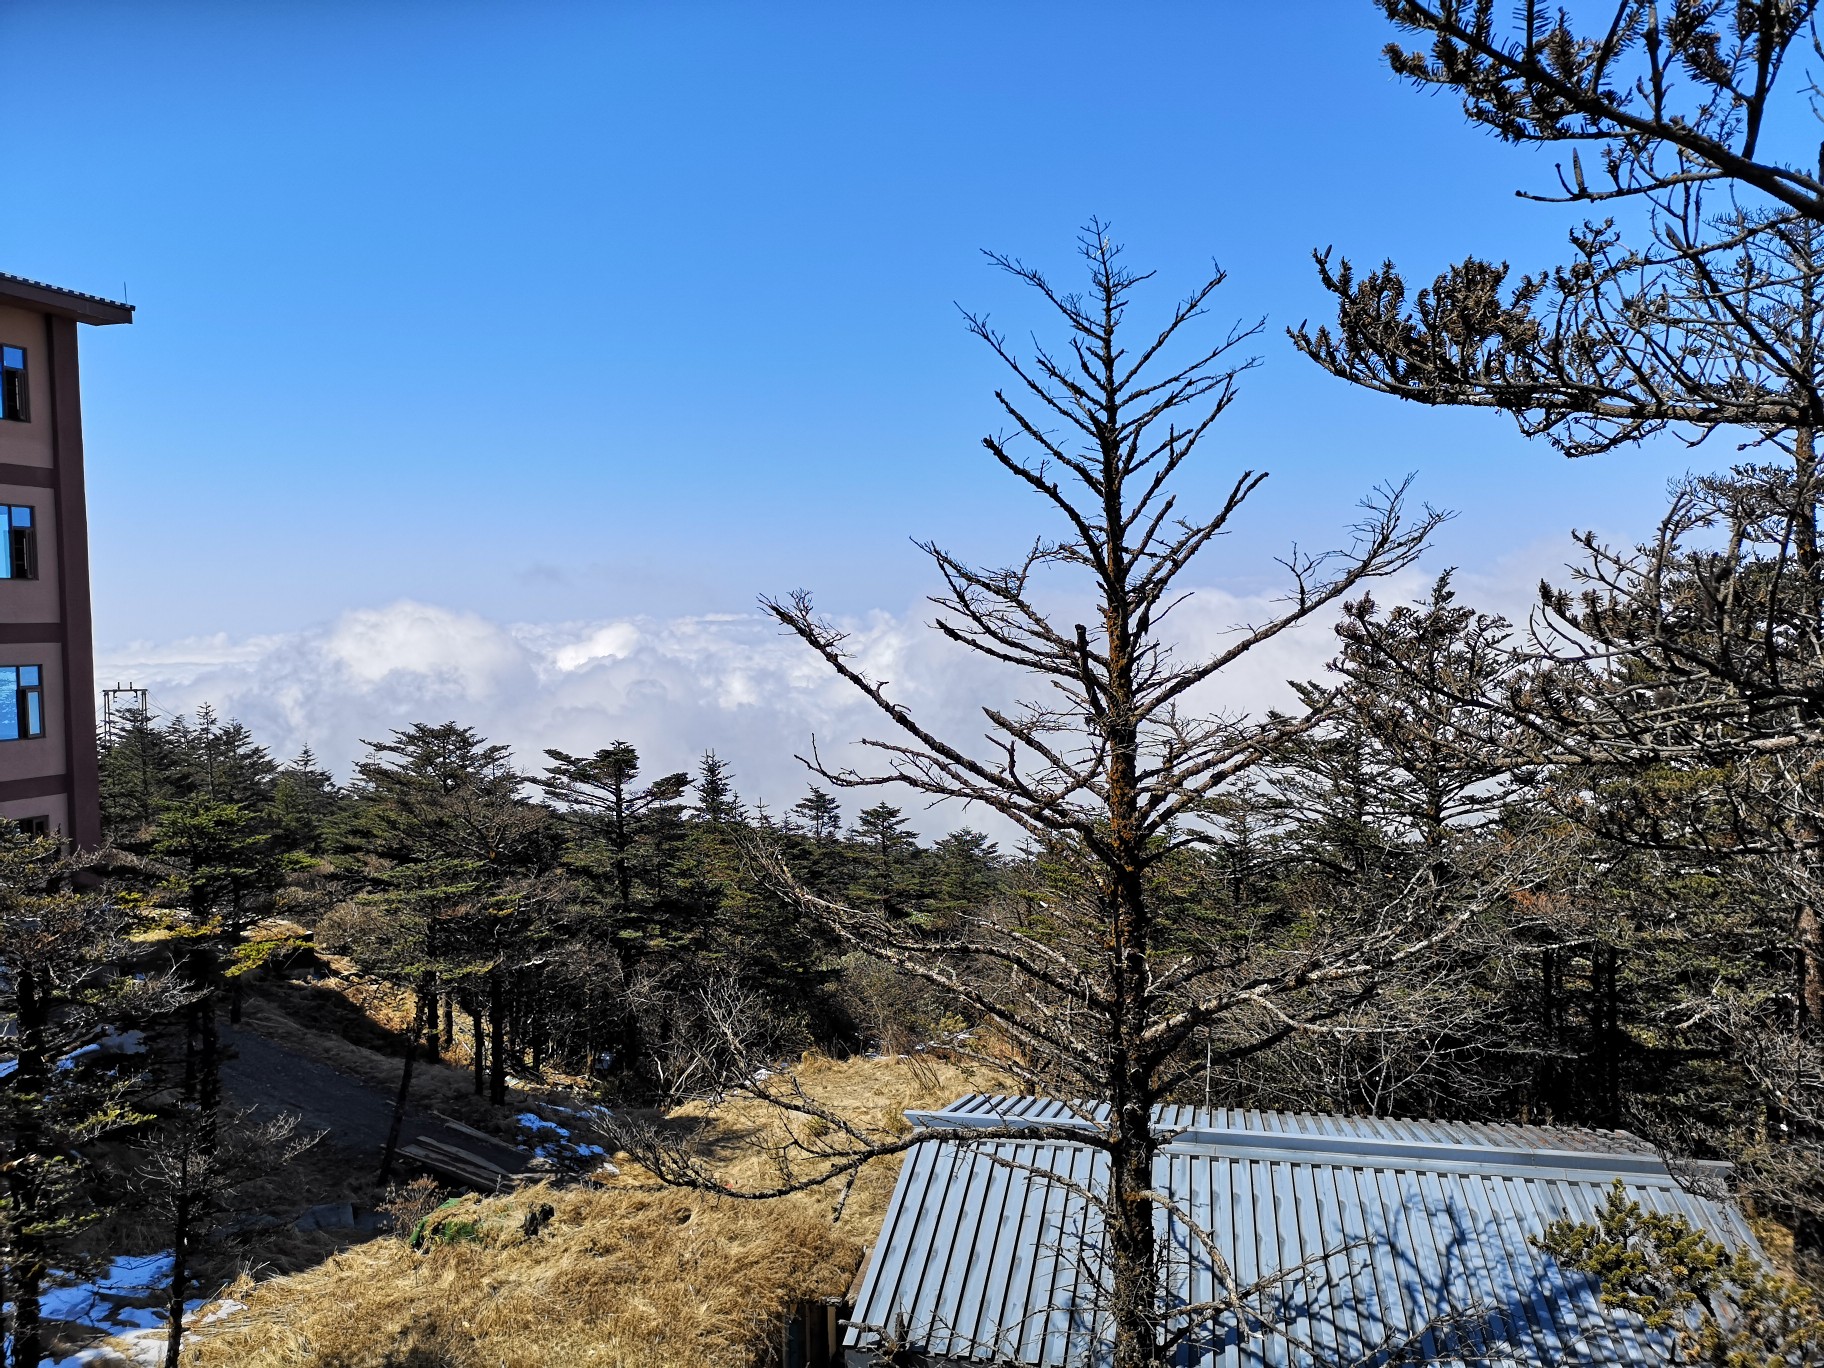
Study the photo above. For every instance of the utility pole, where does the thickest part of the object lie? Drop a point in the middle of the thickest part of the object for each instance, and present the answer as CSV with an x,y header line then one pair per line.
x,y
117,703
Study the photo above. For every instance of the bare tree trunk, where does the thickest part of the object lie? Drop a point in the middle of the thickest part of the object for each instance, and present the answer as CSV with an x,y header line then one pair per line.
x,y
497,1024
478,1040
28,1083
1810,936
1133,1252
1809,931
209,1058
402,1100
1605,975
1133,1248
425,1010
449,1019
180,1278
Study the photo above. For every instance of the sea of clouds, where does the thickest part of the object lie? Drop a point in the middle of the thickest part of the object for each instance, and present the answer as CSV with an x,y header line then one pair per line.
x,y
672,686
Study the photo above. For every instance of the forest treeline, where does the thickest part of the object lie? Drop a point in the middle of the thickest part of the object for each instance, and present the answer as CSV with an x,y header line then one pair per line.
x,y
591,917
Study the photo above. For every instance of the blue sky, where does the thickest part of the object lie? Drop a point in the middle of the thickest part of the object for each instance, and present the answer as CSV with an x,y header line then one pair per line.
x,y
544,313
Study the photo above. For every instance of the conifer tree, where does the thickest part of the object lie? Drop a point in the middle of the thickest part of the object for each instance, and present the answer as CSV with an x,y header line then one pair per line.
x,y
1676,699
305,799
142,769
820,814
625,849
1666,94
463,852
887,854
59,947
716,799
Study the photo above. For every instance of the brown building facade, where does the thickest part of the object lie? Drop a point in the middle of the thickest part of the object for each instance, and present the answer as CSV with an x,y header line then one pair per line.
x,y
48,774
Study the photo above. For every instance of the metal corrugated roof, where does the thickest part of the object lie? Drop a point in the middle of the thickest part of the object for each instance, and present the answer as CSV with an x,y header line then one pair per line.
x,y
991,1251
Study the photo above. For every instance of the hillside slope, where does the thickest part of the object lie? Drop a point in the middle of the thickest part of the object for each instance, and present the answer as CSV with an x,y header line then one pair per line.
x,y
625,1273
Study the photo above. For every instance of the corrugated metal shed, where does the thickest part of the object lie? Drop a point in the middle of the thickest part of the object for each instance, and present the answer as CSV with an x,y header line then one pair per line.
x,y
990,1252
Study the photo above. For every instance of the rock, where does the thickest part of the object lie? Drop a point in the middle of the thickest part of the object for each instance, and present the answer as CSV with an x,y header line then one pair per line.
x,y
537,1218
328,1216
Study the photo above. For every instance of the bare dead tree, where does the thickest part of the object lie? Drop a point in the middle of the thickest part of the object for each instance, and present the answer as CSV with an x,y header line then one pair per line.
x,y
1093,990
191,1168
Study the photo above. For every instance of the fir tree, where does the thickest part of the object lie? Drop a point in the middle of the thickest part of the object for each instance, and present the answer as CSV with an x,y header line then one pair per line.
x,y
59,947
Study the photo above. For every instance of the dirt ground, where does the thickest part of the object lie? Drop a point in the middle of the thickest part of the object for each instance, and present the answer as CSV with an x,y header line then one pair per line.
x,y
352,1114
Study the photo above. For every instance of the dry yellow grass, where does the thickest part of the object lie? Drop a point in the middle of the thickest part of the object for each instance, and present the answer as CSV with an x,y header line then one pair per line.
x,y
630,1273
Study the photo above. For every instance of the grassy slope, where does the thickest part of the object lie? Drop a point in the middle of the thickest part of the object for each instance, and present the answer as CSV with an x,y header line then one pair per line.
x,y
626,1274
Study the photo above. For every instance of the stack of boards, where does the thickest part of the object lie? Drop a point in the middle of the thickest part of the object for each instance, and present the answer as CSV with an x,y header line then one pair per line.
x,y
462,1163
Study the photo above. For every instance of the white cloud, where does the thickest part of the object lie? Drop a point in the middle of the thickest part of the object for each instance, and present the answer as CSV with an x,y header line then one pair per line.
x,y
671,686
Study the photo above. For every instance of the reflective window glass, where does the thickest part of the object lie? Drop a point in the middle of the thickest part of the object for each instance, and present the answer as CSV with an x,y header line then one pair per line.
x,y
18,542
34,713
28,674
14,400
9,703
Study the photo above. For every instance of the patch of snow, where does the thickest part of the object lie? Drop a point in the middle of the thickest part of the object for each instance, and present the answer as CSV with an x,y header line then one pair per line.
x,y
69,1060
146,1346
83,1358
131,1277
123,1042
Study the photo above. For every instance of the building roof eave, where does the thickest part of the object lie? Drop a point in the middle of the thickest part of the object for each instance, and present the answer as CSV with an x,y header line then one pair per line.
x,y
49,299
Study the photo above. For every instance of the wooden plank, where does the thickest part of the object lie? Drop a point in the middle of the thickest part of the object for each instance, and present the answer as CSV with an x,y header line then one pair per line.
x,y
451,1169
463,1156
456,1125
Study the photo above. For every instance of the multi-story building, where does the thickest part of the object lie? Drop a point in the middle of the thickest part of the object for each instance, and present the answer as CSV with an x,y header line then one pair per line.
x,y
48,777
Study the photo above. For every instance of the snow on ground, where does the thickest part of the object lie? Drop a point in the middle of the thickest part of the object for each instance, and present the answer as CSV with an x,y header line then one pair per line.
x,y
111,1042
148,1346
114,1301
125,1301
552,1142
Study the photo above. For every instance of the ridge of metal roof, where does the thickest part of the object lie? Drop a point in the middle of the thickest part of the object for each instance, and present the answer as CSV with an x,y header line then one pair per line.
x,y
1362,1142
54,299
1006,1108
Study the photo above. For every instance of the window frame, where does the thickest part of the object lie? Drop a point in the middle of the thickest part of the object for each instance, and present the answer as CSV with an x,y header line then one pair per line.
x,y
35,827
19,391
14,544
25,696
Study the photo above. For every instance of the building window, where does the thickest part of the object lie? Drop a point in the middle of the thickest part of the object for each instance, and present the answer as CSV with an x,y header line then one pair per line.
x,y
33,826
21,702
18,542
13,403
